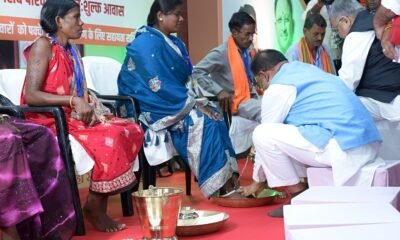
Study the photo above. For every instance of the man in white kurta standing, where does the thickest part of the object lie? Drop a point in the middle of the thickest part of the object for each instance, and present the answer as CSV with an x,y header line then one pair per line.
x,y
309,118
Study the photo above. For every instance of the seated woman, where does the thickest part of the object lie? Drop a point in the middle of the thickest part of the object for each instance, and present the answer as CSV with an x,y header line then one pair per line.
x,y
157,72
35,194
55,77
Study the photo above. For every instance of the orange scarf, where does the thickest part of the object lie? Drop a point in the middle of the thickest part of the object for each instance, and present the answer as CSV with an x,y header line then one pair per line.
x,y
307,57
240,80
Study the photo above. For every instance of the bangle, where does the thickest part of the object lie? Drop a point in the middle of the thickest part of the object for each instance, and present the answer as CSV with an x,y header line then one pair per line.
x,y
388,27
70,101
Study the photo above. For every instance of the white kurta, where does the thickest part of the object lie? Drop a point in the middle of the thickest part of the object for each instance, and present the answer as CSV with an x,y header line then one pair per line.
x,y
282,153
386,115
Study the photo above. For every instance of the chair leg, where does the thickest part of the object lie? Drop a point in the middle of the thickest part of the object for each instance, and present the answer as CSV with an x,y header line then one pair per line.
x,y
67,157
126,198
188,175
149,172
80,224
127,205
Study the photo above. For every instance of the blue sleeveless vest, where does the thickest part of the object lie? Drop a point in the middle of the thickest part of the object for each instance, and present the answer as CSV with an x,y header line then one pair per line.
x,y
325,108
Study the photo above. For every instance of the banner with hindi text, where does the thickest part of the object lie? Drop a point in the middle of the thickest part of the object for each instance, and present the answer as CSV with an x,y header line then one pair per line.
x,y
106,22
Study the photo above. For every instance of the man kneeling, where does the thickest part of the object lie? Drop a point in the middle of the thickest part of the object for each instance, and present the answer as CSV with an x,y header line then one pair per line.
x,y
309,118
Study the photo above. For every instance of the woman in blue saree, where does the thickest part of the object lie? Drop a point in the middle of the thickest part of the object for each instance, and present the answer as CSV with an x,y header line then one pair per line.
x,y
157,72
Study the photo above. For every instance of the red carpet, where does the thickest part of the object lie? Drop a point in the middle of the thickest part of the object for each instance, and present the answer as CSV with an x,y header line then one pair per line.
x,y
244,223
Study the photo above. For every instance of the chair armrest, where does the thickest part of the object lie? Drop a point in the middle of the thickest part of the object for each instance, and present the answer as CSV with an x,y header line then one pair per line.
x,y
110,105
12,111
227,115
58,114
60,122
212,98
122,98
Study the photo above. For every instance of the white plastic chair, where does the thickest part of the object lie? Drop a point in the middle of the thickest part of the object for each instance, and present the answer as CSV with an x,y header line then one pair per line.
x,y
11,82
102,74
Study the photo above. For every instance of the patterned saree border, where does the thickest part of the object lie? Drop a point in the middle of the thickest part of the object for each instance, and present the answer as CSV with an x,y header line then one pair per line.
x,y
113,185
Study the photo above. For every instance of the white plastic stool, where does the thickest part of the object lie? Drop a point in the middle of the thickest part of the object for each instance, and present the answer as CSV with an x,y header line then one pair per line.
x,y
388,175
334,215
353,194
385,231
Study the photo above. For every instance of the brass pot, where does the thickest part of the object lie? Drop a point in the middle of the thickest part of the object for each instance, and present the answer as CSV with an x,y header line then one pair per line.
x,y
158,210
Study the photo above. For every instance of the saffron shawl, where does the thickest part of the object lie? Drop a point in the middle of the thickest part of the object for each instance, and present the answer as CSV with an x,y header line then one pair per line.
x,y
307,57
240,78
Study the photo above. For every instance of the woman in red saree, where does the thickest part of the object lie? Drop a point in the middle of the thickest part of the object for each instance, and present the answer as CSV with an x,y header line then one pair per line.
x,y
55,77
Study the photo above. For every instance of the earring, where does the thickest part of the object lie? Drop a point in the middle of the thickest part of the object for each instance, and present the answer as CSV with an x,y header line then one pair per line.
x,y
161,19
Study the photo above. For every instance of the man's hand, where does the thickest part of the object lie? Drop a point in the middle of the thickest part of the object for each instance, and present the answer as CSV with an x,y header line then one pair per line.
x,y
253,188
316,8
225,100
209,112
381,18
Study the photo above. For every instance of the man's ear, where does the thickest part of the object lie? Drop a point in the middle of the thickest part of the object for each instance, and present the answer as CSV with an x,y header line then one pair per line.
x,y
261,71
159,15
347,20
234,32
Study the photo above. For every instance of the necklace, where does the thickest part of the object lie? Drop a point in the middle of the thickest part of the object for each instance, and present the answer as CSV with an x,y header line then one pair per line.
x,y
74,64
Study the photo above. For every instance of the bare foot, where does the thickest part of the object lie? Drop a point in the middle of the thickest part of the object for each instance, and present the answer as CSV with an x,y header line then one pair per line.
x,y
236,195
230,188
95,211
253,189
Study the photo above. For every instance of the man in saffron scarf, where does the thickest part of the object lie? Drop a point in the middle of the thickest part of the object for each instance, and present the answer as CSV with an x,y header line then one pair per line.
x,y
310,48
225,70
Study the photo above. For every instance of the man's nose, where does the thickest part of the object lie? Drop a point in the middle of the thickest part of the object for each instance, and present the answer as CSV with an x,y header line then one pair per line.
x,y
251,37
